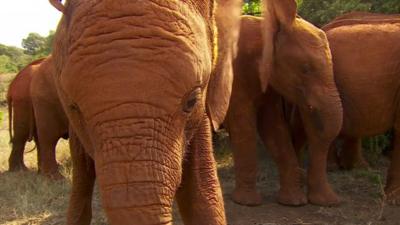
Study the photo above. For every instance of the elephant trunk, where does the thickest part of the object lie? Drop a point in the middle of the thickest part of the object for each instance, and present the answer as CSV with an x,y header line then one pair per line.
x,y
325,113
139,168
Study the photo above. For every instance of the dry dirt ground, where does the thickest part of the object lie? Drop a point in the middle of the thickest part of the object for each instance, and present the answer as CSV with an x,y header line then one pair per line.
x,y
27,198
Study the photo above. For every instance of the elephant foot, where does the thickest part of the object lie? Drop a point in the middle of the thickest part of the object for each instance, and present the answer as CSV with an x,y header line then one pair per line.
x,y
393,195
291,192
248,197
18,168
324,196
292,197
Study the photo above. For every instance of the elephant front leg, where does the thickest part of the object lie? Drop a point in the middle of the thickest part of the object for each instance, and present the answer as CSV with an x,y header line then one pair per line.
x,y
199,197
83,177
392,189
275,134
320,134
319,190
47,157
48,134
243,136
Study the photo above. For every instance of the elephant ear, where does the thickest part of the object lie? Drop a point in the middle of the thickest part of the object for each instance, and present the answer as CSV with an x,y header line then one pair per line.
x,y
58,5
227,18
278,15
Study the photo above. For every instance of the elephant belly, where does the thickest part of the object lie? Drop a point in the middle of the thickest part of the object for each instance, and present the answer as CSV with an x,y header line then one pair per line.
x,y
367,77
368,114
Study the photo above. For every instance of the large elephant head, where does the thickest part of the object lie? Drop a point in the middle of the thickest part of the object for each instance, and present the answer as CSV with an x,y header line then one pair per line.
x,y
137,83
297,62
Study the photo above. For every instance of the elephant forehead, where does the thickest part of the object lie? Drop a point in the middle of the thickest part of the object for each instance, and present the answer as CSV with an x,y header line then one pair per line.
x,y
139,51
151,24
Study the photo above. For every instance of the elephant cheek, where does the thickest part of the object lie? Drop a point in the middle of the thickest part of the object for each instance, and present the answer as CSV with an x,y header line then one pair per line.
x,y
138,166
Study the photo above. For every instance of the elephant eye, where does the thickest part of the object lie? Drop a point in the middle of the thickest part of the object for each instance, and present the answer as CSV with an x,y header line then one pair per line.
x,y
190,101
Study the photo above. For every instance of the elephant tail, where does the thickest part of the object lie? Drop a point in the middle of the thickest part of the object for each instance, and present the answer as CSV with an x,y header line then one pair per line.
x,y
10,121
33,149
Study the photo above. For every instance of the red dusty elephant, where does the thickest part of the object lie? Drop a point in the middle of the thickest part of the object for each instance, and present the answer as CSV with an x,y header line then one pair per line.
x,y
138,83
35,113
351,156
366,57
296,56
20,110
51,122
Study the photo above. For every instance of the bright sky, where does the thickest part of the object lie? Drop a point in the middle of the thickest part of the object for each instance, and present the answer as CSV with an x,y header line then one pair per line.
x,y
18,18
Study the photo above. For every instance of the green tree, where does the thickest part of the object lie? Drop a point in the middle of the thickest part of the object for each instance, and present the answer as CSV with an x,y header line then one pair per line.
x,y
12,59
48,47
252,7
33,44
322,11
6,65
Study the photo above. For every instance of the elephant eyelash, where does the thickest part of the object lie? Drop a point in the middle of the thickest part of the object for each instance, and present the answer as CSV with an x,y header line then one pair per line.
x,y
190,100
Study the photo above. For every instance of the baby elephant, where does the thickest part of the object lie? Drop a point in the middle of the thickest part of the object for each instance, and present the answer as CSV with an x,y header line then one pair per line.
x,y
35,113
367,75
296,58
138,82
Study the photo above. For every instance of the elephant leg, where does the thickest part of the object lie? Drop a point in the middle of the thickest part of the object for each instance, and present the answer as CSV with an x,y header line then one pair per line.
x,y
274,131
243,135
47,157
49,130
21,136
83,178
392,189
320,139
333,159
16,159
199,196
319,190
351,155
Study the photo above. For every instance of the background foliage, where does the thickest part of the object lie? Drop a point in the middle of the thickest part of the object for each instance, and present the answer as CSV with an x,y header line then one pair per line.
x,y
320,12
35,46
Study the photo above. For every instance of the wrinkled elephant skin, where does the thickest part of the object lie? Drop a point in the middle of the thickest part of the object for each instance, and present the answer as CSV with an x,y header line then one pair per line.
x,y
137,81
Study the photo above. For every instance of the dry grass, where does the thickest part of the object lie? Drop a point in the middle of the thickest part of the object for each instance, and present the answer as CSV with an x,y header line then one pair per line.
x,y
27,198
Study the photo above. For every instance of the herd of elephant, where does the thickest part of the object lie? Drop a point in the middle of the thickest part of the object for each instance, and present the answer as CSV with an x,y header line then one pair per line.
x,y
139,86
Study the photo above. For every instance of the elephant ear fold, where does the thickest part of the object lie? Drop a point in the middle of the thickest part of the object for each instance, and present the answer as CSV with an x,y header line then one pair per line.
x,y
219,93
227,19
285,12
58,5
278,15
